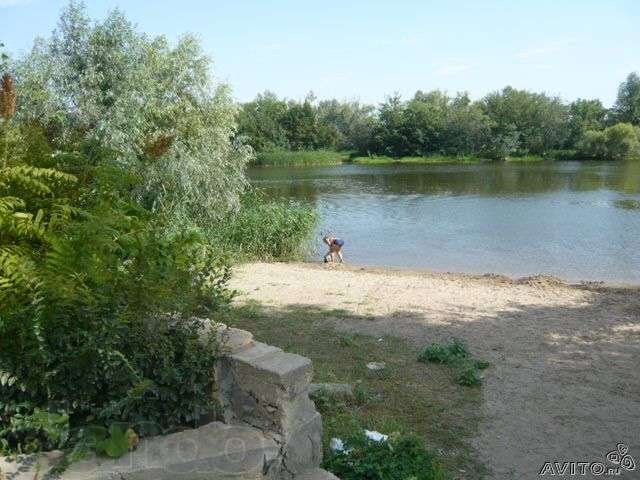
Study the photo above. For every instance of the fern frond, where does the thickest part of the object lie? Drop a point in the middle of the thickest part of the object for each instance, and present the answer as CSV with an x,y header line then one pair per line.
x,y
35,180
10,204
17,271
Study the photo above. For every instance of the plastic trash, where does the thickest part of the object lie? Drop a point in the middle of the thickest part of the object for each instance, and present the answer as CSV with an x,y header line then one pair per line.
x,y
376,366
336,445
376,436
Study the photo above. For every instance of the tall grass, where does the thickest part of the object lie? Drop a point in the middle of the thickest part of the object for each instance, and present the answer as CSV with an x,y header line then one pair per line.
x,y
531,158
384,160
300,157
265,229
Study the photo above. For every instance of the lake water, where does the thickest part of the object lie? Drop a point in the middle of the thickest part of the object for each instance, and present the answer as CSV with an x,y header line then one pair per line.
x,y
566,219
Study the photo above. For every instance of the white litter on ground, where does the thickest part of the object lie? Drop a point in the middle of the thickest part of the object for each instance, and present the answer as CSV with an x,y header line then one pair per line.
x,y
336,445
376,436
376,366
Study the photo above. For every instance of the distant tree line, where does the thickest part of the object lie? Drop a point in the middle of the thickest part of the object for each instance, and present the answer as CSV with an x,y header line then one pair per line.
x,y
505,123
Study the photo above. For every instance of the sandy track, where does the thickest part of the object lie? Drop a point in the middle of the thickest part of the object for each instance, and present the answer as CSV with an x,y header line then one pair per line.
x,y
564,384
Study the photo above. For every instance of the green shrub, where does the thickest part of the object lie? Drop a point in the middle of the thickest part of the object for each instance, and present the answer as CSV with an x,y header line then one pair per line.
x,y
618,142
456,354
440,353
26,429
402,457
87,278
113,442
467,373
173,362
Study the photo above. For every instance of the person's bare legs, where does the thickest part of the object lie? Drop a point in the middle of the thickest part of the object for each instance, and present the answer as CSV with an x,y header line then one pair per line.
x,y
336,250
329,255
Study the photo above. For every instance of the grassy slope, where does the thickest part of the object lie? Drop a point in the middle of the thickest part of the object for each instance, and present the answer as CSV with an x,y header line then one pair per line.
x,y
409,397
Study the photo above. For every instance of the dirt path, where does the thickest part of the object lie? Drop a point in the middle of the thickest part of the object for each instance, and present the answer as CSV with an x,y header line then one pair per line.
x,y
564,384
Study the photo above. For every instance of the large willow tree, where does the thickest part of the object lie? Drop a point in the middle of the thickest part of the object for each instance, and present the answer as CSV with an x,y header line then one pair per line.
x,y
153,107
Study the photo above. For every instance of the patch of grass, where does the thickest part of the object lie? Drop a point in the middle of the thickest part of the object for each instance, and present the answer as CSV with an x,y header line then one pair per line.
x,y
456,354
401,457
406,399
362,394
384,160
300,158
326,400
347,340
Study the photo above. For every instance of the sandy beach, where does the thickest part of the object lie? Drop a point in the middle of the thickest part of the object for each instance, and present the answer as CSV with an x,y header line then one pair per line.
x,y
563,383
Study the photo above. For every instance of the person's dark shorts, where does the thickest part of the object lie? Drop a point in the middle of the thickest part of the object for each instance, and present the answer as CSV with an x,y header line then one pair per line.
x,y
338,242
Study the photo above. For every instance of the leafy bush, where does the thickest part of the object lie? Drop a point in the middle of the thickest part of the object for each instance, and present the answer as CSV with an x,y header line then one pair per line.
x,y
448,353
113,442
613,143
457,355
83,315
173,383
401,457
467,374
26,429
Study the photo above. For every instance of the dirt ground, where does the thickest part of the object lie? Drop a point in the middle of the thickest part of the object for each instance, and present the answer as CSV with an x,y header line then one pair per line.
x,y
564,381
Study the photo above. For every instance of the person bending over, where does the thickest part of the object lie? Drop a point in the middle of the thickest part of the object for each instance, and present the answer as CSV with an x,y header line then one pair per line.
x,y
335,248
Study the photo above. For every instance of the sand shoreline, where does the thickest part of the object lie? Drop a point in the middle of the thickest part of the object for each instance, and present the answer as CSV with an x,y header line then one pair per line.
x,y
563,381
514,279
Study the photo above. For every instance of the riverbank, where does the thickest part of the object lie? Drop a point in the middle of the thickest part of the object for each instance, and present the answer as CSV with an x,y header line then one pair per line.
x,y
431,159
329,157
301,158
562,380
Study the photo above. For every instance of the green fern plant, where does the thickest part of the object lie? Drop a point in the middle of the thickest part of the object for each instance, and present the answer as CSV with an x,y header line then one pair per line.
x,y
24,230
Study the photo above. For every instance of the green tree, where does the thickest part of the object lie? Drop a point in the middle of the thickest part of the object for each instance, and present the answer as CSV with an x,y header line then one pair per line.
x,y
353,122
262,122
539,121
467,129
584,115
424,122
389,135
154,106
302,125
627,106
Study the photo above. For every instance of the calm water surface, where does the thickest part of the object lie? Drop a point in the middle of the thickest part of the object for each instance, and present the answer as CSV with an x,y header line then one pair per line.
x,y
563,218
